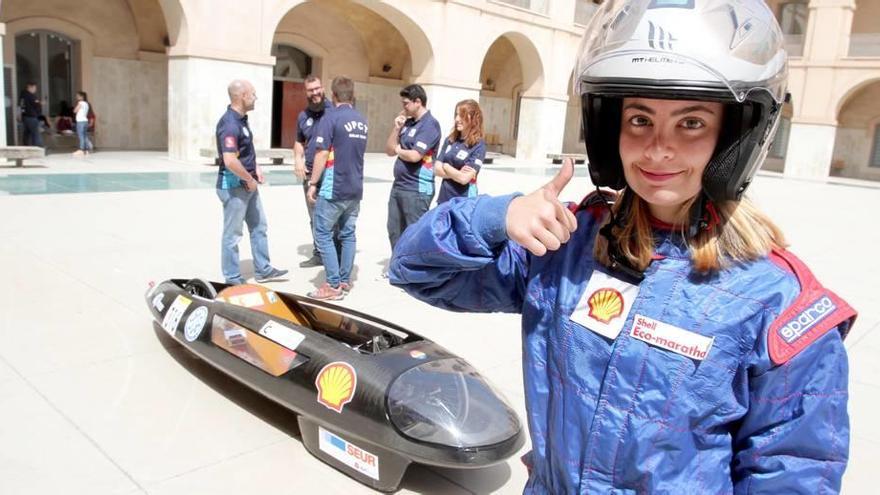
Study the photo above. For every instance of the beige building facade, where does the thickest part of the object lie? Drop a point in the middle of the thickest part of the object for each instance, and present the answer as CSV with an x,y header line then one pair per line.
x,y
156,70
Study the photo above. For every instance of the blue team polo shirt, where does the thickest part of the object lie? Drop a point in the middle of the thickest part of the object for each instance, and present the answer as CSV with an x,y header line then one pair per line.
x,y
306,124
422,135
234,136
459,154
344,133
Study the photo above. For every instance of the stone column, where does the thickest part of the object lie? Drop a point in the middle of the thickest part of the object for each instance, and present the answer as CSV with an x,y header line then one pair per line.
x,y
197,98
3,94
541,127
828,29
810,149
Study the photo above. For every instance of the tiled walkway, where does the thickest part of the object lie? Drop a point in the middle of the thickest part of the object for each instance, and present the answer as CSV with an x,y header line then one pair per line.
x,y
95,402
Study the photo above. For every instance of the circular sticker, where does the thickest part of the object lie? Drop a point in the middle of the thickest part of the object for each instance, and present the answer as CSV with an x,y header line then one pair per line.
x,y
195,323
417,354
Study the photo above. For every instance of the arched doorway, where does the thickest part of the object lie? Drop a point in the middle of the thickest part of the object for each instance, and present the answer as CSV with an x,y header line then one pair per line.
x,y
292,65
857,140
346,38
501,81
112,49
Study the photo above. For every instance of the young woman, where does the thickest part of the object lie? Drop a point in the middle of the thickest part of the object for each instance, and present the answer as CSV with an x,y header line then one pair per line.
x,y
670,343
81,112
461,153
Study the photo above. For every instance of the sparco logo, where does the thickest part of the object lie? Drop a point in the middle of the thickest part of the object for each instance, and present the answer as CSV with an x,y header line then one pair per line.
x,y
808,318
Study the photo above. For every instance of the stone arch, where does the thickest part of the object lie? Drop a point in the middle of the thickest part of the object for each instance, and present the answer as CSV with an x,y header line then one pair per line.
x,y
67,28
421,51
857,114
529,59
864,80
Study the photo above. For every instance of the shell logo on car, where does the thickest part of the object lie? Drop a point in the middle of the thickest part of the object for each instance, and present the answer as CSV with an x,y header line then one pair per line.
x,y
605,305
336,384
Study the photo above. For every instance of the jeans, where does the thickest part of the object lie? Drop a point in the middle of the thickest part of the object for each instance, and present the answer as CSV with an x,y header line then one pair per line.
x,y
311,209
330,214
82,132
404,209
32,134
240,205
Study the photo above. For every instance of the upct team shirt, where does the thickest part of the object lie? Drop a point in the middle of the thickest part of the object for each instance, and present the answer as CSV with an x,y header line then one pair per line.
x,y
343,132
422,135
234,136
306,125
459,154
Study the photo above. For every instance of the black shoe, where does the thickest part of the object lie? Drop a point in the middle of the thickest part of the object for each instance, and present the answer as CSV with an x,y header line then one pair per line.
x,y
272,275
313,261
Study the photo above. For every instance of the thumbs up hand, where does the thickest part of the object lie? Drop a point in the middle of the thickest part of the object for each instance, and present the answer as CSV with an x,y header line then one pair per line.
x,y
539,221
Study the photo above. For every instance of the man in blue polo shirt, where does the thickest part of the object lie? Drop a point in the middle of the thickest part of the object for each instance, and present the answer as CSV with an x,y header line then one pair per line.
x,y
304,149
413,141
237,183
337,187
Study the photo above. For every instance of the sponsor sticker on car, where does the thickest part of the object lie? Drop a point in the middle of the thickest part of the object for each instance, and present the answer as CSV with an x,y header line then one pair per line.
x,y
157,302
336,384
348,453
195,323
175,312
281,334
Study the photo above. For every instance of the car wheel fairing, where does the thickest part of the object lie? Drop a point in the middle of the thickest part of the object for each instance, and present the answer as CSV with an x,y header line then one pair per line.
x,y
447,402
201,288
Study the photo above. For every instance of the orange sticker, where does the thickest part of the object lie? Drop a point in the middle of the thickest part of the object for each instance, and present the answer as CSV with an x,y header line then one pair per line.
x,y
605,305
336,384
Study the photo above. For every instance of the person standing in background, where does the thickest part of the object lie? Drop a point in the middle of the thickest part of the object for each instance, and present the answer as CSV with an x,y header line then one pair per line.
x,y
462,153
81,112
304,150
237,187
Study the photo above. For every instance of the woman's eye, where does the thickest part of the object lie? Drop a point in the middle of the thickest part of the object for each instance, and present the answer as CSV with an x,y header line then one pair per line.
x,y
639,121
693,124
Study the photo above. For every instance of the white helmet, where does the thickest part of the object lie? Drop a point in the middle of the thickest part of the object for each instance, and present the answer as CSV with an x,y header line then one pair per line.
x,y
720,50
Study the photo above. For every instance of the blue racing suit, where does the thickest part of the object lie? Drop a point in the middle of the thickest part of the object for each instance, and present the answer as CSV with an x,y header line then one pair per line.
x,y
734,382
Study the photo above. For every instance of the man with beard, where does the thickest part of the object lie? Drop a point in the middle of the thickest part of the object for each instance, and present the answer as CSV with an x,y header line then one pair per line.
x,y
304,150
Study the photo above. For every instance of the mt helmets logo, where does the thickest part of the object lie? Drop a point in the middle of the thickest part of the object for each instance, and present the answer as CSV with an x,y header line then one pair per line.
x,y
336,384
605,305
807,319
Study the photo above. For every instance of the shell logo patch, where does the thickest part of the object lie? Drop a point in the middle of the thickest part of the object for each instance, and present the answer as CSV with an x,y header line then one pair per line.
x,y
605,305
336,384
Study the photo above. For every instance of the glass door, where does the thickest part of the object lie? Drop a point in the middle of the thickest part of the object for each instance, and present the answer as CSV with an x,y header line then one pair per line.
x,y
44,58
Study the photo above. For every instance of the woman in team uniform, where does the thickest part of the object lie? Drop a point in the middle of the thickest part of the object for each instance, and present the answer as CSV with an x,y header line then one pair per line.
x,y
461,153
671,344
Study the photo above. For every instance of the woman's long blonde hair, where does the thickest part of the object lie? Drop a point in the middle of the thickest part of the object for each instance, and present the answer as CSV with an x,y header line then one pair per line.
x,y
740,233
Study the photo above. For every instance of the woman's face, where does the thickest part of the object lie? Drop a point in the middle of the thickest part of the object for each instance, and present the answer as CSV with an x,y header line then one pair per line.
x,y
459,120
665,146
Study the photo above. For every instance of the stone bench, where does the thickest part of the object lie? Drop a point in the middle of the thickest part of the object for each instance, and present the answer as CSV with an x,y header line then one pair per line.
x,y
490,158
277,155
21,153
558,157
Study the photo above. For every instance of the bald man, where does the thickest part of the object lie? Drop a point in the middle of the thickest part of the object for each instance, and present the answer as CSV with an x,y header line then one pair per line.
x,y
238,188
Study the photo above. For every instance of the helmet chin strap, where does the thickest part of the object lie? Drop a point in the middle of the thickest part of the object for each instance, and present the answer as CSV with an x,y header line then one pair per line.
x,y
619,263
703,216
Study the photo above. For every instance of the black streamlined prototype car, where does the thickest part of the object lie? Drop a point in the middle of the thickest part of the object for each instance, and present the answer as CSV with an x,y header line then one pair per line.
x,y
370,397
